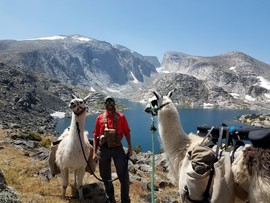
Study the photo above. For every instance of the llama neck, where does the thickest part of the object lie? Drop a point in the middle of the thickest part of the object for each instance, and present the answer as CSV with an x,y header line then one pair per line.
x,y
174,140
81,121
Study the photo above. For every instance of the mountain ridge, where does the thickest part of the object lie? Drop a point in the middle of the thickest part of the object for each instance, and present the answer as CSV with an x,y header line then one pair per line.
x,y
242,78
230,78
75,61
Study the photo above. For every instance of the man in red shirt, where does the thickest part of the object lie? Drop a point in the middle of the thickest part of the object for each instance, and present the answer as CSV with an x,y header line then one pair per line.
x,y
111,126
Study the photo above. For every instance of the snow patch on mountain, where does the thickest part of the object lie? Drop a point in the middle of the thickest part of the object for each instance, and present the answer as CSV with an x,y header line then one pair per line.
x,y
58,114
249,98
162,69
112,90
235,95
208,105
49,38
233,69
267,95
92,89
135,80
120,47
264,83
83,39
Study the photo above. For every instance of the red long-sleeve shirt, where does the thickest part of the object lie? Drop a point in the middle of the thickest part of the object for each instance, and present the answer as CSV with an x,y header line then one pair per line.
x,y
122,127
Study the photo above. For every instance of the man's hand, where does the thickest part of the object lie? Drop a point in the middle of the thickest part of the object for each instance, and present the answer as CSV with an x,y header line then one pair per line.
x,y
130,152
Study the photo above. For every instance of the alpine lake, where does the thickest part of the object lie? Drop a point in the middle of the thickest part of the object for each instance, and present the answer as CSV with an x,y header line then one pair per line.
x,y
140,122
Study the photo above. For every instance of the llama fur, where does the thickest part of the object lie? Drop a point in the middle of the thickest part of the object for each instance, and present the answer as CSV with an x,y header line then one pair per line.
x,y
176,143
253,185
69,155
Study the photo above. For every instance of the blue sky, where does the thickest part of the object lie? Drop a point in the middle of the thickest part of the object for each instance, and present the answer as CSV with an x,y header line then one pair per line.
x,y
149,27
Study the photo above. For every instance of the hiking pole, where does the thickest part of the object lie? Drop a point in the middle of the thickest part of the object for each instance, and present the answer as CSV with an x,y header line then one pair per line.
x,y
153,129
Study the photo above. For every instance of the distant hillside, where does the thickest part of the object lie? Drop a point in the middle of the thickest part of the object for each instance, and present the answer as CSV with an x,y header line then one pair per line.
x,y
27,98
79,61
233,80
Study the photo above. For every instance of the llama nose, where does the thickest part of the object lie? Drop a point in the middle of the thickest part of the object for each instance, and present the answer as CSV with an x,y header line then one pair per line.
x,y
147,108
72,105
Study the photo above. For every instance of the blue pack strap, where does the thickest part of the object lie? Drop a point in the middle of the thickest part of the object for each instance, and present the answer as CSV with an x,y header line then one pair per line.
x,y
260,137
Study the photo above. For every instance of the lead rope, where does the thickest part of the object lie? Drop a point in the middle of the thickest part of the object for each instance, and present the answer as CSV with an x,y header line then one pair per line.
x,y
153,129
88,165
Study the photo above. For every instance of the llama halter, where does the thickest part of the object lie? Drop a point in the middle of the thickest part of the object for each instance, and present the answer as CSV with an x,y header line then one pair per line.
x,y
77,106
80,111
153,108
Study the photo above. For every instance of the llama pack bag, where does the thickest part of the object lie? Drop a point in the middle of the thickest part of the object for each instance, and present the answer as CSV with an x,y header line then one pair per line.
x,y
206,178
223,185
52,165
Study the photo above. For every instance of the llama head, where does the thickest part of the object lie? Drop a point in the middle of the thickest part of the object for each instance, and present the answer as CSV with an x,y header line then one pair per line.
x,y
77,105
157,103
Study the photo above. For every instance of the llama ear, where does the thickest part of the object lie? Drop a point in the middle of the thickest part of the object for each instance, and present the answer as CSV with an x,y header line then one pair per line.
x,y
158,96
73,96
170,93
86,98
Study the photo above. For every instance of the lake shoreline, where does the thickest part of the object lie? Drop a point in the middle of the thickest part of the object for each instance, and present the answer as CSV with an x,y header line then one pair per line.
x,y
140,122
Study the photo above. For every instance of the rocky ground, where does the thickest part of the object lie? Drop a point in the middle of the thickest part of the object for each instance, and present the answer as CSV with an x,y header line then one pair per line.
x,y
260,120
25,175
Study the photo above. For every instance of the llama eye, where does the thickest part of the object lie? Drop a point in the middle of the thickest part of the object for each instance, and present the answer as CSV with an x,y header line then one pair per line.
x,y
71,103
81,102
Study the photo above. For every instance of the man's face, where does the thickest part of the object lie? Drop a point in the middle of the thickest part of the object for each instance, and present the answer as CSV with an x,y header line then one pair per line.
x,y
109,105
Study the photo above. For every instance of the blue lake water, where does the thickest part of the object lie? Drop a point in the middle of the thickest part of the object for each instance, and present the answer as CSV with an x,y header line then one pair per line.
x,y
139,122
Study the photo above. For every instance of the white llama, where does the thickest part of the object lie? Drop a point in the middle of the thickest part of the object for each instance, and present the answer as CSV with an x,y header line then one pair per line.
x,y
69,155
176,143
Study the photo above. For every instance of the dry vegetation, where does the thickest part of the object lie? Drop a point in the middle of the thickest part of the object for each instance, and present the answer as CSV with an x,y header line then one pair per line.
x,y
21,173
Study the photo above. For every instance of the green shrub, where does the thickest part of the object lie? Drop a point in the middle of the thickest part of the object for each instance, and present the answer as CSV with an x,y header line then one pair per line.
x,y
34,136
137,149
46,142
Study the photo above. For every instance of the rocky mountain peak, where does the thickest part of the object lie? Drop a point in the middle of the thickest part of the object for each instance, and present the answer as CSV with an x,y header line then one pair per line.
x,y
78,60
233,78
